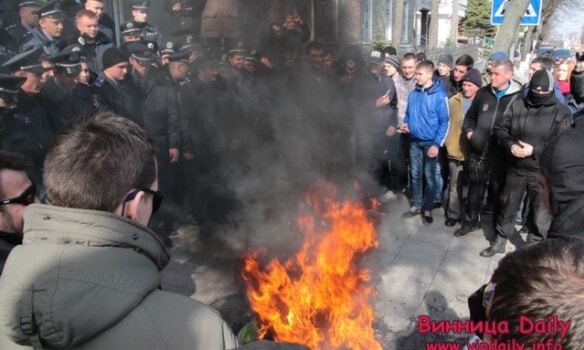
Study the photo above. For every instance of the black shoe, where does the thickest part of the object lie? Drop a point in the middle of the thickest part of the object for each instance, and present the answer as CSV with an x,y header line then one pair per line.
x,y
449,222
496,247
413,212
427,219
437,205
465,230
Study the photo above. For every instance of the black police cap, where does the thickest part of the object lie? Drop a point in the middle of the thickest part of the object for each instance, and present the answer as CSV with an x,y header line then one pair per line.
x,y
10,84
69,61
144,52
130,28
140,5
26,61
29,3
52,9
181,56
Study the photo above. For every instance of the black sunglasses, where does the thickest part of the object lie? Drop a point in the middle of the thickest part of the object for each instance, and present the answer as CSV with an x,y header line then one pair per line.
x,y
157,198
26,198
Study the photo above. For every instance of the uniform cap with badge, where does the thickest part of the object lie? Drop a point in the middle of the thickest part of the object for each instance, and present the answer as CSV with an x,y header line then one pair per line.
x,y
52,9
169,48
129,28
28,61
141,5
10,87
28,3
188,42
69,61
144,53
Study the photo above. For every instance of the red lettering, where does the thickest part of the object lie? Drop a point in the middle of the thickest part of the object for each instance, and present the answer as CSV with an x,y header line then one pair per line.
x,y
424,324
477,327
525,325
503,327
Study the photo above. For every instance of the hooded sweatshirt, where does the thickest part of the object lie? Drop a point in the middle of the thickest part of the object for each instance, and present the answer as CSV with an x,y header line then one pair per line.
x,y
86,279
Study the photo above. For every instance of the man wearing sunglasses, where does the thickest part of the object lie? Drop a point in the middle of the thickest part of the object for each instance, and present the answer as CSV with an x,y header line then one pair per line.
x,y
88,273
16,193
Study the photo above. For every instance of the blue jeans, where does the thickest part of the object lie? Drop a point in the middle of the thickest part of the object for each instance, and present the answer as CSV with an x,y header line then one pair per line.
x,y
422,168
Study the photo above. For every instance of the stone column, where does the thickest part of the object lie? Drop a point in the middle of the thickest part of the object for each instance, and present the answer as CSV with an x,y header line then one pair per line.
x,y
350,21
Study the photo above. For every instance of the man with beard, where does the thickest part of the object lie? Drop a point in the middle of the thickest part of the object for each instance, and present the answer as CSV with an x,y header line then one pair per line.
x,y
16,192
49,29
524,130
28,12
28,129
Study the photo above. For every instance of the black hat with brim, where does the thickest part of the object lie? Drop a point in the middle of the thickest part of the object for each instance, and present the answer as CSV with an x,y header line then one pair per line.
x,y
52,9
10,84
28,3
28,61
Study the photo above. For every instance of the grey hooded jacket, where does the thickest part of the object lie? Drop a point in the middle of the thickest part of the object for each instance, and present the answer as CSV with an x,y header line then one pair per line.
x,y
90,280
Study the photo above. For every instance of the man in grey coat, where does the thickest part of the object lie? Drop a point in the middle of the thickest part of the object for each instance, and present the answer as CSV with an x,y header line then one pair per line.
x,y
49,29
88,273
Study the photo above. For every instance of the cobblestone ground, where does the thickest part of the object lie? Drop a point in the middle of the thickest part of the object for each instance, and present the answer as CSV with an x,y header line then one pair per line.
x,y
417,270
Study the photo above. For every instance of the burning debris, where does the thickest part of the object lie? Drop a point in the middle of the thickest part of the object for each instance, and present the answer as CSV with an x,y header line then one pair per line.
x,y
320,297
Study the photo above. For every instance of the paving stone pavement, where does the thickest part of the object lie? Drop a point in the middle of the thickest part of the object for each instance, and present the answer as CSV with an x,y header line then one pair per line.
x,y
417,270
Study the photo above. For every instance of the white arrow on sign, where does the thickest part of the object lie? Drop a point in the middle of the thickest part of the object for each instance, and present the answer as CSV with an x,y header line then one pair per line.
x,y
530,12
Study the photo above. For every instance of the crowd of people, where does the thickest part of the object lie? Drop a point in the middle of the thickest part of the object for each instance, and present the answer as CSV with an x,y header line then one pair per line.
x,y
106,130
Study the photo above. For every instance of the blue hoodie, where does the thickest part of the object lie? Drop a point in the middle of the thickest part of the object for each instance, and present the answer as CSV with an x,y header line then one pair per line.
x,y
427,114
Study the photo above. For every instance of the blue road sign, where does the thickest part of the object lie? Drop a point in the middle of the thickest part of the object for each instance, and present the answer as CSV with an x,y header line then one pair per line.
x,y
531,17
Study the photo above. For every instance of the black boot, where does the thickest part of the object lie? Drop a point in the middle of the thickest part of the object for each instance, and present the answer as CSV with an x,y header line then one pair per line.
x,y
496,247
465,229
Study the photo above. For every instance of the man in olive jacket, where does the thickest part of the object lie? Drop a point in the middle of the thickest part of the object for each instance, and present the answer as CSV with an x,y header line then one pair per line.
x,y
88,273
456,145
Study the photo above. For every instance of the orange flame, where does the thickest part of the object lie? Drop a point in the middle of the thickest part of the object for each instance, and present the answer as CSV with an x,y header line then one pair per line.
x,y
320,297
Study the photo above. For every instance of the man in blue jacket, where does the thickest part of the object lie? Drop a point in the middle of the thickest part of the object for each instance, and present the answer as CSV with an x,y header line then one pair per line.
x,y
427,122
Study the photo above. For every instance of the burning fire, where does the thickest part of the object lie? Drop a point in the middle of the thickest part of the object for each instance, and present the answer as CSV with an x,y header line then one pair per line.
x,y
319,297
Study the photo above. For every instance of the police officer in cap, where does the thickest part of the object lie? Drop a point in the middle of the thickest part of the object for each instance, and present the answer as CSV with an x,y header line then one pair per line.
x,y
195,48
28,12
140,12
28,129
57,95
130,33
49,29
142,58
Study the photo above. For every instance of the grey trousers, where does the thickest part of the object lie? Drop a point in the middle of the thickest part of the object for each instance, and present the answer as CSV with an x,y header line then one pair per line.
x,y
454,207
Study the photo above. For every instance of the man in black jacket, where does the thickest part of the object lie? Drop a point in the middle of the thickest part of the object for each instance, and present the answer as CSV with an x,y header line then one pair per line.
x,y
27,129
486,159
16,193
28,13
113,92
524,130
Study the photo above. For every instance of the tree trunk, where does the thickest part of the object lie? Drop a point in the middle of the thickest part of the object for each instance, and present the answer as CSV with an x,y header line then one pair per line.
x,y
397,23
433,39
454,23
508,31
528,46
